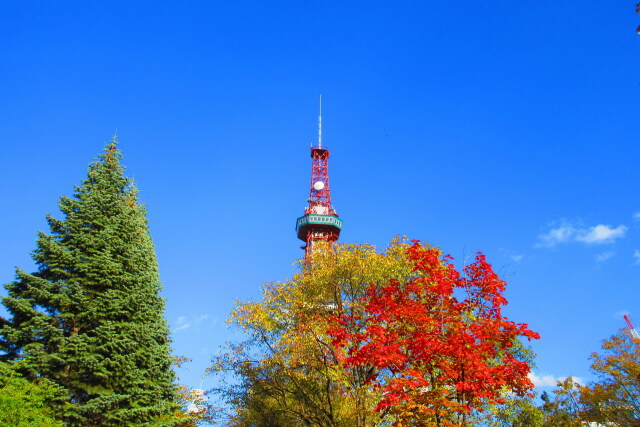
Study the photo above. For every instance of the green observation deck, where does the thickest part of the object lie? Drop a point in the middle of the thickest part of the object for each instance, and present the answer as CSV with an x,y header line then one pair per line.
x,y
315,221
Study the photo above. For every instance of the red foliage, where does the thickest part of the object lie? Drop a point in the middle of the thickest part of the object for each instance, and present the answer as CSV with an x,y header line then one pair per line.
x,y
439,341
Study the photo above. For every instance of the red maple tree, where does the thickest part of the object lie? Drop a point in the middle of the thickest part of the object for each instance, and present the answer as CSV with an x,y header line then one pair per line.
x,y
438,342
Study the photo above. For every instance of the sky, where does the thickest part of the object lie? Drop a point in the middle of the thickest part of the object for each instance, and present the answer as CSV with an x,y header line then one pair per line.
x,y
503,127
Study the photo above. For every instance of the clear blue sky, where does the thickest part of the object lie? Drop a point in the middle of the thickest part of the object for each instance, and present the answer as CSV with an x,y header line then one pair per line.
x,y
504,127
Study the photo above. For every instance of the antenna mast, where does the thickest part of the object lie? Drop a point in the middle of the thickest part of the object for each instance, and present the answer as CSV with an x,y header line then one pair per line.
x,y
320,124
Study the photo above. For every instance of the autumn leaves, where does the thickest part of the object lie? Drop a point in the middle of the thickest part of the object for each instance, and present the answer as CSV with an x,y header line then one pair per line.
x,y
362,337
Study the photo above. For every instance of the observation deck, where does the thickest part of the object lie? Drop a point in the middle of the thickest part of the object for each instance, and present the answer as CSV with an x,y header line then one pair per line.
x,y
326,223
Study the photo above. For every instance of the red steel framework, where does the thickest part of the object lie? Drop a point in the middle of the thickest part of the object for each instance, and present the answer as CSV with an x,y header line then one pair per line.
x,y
632,329
320,173
320,220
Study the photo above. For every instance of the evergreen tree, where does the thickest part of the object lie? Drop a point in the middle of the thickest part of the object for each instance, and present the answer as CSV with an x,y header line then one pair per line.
x,y
90,318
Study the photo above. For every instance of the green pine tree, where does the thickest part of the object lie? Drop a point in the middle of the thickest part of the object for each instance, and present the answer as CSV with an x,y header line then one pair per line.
x,y
90,319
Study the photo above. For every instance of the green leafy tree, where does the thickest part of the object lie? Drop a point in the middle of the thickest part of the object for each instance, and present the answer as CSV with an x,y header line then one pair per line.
x,y
515,411
563,408
90,318
519,412
25,403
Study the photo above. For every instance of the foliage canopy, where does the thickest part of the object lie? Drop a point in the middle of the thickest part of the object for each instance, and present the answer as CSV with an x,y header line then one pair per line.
x,y
364,338
26,403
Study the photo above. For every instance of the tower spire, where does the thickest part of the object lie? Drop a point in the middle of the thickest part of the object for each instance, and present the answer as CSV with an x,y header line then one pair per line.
x,y
320,220
320,124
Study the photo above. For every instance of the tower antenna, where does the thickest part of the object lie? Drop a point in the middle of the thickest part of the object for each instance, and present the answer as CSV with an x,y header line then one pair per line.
x,y
320,124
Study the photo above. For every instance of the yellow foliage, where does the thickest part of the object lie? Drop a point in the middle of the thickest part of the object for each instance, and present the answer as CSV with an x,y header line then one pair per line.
x,y
287,372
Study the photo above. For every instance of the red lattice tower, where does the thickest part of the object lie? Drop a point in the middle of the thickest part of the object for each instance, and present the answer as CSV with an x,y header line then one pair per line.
x,y
632,329
320,220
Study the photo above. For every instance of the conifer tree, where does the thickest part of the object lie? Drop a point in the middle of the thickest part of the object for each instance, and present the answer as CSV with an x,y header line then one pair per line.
x,y
90,318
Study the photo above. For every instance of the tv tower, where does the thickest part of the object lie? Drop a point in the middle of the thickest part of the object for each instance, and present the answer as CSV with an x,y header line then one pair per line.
x,y
320,221
632,329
